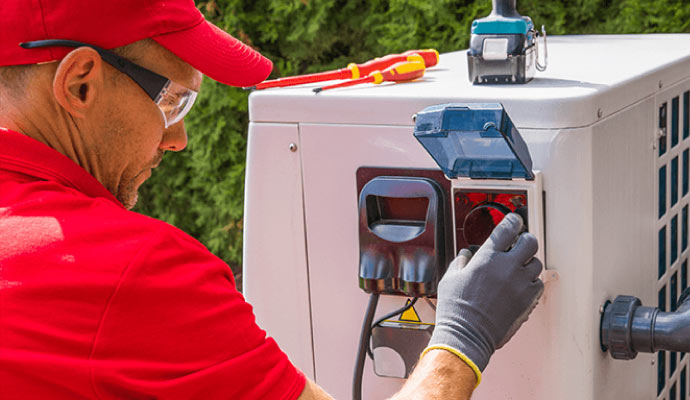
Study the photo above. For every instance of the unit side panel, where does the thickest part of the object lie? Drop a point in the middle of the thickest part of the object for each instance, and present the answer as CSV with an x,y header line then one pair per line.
x,y
670,133
548,357
275,278
624,238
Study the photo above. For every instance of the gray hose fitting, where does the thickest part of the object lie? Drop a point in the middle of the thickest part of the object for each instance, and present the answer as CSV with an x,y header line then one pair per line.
x,y
627,328
616,327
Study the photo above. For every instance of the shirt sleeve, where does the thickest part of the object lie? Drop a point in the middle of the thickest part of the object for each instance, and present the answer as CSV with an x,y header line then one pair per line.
x,y
176,327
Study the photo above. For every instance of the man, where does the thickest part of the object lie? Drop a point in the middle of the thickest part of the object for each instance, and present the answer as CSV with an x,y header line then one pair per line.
x,y
100,302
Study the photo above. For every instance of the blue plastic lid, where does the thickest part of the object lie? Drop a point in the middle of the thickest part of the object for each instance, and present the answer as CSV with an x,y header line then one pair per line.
x,y
499,25
473,140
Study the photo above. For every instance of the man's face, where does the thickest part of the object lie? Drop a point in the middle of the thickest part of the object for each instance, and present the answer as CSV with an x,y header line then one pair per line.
x,y
129,133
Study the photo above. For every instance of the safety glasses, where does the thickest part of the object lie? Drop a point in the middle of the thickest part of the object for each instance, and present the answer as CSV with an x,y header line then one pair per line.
x,y
173,100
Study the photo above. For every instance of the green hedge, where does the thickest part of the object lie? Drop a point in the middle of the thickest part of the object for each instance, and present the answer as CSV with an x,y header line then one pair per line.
x,y
201,189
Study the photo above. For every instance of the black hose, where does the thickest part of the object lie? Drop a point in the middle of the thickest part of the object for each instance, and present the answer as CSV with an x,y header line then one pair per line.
x,y
389,315
363,346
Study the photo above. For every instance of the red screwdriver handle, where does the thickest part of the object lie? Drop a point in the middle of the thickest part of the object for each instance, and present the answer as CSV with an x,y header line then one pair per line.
x,y
399,72
429,57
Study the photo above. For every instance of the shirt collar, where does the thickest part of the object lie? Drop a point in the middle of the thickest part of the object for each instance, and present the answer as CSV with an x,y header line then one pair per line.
x,y
22,154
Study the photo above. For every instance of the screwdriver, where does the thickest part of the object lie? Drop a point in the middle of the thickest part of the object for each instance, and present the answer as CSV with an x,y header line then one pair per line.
x,y
353,71
400,72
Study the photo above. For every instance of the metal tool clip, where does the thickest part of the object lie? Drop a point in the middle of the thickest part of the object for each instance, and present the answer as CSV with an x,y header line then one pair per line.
x,y
541,67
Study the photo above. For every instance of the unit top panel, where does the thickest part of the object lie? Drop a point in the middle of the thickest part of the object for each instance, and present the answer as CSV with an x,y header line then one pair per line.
x,y
588,78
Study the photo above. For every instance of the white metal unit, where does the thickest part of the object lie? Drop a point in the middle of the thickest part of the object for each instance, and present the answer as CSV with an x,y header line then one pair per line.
x,y
673,156
591,123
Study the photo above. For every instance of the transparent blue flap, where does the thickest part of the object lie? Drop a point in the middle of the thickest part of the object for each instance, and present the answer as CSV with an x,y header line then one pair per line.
x,y
473,140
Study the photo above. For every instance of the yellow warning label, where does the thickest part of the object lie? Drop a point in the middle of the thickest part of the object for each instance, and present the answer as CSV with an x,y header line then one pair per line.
x,y
410,315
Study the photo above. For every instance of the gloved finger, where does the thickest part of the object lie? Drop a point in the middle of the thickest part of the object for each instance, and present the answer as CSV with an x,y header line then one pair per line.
x,y
462,259
538,287
533,269
525,248
522,318
505,233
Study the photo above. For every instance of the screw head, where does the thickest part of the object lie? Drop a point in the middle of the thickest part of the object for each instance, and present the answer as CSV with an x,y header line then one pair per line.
x,y
600,113
292,147
661,84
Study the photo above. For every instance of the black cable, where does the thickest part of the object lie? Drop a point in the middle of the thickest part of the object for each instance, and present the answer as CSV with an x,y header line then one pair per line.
x,y
396,312
389,315
365,338
363,346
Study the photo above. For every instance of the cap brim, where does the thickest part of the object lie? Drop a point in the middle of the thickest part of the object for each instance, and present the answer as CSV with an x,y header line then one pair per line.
x,y
217,55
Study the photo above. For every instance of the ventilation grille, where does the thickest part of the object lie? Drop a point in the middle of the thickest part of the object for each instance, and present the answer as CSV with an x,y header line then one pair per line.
x,y
673,148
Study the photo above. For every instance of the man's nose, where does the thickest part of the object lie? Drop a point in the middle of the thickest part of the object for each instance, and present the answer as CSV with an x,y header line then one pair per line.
x,y
174,138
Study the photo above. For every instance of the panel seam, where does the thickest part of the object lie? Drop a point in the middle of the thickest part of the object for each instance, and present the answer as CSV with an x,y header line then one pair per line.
x,y
306,250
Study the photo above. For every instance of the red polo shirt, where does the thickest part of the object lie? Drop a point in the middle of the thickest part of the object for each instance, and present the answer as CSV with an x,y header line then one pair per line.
x,y
100,302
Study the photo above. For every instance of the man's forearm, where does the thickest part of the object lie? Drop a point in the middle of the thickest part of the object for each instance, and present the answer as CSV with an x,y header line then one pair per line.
x,y
439,375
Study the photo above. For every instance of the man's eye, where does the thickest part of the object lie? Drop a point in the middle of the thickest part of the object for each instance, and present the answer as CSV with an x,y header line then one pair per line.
x,y
170,101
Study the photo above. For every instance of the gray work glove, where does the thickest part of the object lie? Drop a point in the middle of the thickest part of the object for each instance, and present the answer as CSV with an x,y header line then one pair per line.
x,y
483,300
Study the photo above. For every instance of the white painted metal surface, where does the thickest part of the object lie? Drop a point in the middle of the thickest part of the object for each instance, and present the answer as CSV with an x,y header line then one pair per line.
x,y
585,74
275,274
590,125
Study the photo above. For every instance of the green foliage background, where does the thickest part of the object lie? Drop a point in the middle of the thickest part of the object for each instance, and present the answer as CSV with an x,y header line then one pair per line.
x,y
201,189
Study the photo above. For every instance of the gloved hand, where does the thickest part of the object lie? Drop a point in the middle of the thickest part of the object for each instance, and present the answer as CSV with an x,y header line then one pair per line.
x,y
483,300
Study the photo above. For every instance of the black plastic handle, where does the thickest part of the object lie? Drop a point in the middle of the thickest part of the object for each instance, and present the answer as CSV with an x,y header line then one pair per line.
x,y
505,8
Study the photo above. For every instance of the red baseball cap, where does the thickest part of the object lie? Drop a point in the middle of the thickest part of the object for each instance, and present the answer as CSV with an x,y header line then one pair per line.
x,y
176,25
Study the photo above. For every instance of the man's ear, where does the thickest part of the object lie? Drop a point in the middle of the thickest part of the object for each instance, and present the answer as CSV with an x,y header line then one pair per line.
x,y
78,80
